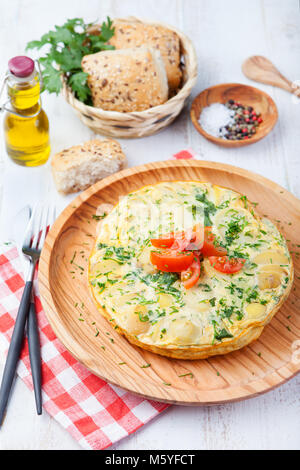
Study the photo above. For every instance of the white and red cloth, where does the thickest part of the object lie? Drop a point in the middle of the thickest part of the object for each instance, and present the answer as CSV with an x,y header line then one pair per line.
x,y
185,154
95,413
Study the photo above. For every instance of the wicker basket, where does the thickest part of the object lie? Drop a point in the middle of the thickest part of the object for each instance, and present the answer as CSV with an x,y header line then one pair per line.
x,y
142,123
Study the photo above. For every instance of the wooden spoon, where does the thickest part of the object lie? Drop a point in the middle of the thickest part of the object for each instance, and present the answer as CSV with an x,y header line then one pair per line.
x,y
261,70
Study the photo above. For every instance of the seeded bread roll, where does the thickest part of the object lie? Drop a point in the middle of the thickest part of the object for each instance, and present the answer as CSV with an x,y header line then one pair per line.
x,y
136,34
126,80
80,166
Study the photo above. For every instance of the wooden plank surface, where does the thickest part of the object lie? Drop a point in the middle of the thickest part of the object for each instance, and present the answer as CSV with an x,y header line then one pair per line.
x,y
224,34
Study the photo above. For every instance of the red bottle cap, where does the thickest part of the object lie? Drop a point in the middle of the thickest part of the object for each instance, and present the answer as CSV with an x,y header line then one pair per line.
x,y
21,66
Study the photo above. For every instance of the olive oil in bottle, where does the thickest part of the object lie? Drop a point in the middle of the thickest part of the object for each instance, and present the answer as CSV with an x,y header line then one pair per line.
x,y
26,126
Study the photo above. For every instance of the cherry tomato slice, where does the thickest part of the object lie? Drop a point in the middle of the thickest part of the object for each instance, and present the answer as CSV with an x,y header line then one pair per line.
x,y
175,241
191,275
196,238
165,241
226,265
171,261
208,248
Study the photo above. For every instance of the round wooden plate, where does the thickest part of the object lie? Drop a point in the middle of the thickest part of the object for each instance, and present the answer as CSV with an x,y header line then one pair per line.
x,y
255,369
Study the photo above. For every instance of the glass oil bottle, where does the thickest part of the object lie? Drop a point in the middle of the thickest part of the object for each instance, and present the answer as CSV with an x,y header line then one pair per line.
x,y
26,126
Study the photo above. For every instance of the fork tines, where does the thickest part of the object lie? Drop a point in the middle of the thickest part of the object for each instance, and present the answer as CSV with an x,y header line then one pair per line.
x,y
43,215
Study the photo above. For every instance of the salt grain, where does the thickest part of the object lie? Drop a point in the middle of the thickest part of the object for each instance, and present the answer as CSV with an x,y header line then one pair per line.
x,y
214,118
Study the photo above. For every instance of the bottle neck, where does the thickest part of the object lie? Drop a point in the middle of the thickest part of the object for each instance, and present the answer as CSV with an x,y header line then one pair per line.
x,y
24,93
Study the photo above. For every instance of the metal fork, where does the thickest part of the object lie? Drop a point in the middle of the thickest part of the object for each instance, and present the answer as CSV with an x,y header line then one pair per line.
x,y
42,217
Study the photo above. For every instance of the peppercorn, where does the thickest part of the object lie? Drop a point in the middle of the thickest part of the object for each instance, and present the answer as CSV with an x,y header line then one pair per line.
x,y
246,120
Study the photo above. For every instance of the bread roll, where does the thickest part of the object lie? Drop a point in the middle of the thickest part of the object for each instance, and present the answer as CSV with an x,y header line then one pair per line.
x,y
130,34
80,166
126,80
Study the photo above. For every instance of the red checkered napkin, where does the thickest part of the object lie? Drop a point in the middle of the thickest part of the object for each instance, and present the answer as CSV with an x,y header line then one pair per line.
x,y
185,154
95,413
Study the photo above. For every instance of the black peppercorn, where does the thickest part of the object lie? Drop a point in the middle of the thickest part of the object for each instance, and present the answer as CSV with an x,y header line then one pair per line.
x,y
245,122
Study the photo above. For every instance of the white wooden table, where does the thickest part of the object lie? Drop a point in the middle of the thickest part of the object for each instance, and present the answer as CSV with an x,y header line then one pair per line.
x,y
224,34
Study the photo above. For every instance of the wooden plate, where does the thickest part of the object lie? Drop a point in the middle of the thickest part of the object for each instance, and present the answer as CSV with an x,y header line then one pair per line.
x,y
245,94
265,364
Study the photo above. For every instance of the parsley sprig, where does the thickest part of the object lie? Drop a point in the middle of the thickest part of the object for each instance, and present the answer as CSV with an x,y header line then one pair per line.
x,y
68,44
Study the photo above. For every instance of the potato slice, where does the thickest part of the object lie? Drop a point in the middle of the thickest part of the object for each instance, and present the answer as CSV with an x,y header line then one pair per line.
x,y
269,276
271,257
272,268
255,310
133,324
165,300
143,260
104,266
121,301
218,194
182,332
268,280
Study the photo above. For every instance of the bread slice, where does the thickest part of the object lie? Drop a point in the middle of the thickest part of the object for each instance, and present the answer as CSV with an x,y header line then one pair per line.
x,y
126,80
131,33
80,166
